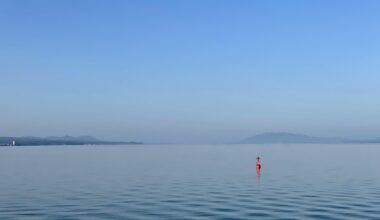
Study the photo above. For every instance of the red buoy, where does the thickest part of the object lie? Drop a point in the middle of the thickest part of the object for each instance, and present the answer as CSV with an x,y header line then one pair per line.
x,y
258,165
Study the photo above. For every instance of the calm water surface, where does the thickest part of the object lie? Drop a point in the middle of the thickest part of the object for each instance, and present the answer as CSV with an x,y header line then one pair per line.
x,y
190,182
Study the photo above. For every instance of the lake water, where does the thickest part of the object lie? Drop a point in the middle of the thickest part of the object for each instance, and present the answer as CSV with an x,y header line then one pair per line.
x,y
190,182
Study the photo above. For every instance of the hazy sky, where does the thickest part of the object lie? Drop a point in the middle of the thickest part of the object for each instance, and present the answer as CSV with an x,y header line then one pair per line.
x,y
189,71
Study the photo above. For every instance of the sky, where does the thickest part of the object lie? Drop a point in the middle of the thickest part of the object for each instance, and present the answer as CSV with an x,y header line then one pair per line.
x,y
209,71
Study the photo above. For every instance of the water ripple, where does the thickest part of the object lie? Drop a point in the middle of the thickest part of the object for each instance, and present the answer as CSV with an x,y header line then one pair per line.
x,y
213,194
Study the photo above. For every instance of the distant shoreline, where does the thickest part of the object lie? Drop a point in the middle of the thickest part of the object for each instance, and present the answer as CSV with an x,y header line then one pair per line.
x,y
57,141
293,138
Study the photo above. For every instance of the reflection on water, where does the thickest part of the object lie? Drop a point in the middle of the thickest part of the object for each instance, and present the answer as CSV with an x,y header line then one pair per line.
x,y
190,182
258,175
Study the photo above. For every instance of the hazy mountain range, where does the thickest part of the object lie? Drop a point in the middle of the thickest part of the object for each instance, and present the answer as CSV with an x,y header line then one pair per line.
x,y
291,138
264,138
64,140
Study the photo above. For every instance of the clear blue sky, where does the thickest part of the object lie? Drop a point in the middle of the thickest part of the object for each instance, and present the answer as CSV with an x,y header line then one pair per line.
x,y
189,71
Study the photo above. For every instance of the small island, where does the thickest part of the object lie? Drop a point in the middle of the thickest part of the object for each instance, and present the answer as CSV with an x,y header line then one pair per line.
x,y
291,138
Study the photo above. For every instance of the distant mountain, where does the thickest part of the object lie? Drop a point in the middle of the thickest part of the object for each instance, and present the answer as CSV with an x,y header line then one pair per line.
x,y
289,138
65,140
